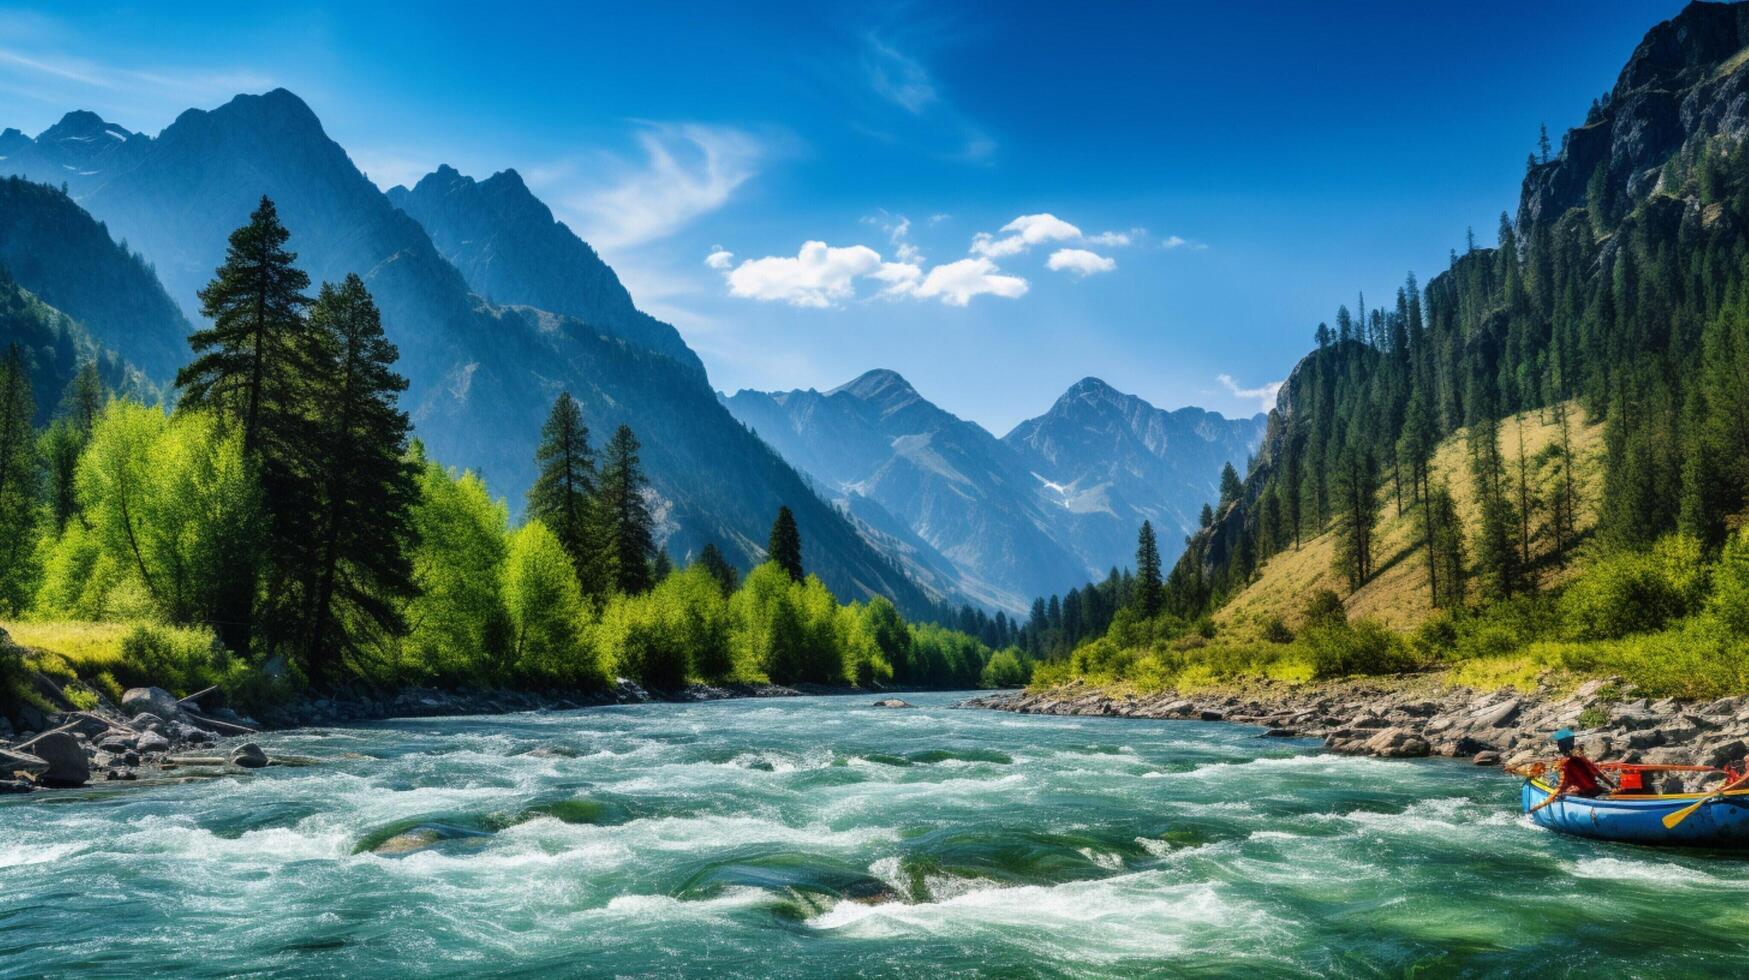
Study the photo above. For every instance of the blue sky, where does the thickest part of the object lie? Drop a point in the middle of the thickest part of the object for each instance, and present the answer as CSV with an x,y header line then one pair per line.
x,y
1008,197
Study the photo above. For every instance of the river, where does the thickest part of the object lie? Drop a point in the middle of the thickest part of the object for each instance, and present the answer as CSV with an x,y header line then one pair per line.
x,y
822,837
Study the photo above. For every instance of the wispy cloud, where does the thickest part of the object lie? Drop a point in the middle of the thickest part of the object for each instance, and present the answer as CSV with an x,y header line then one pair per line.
x,y
1174,242
33,67
926,117
687,170
1265,394
898,77
1022,233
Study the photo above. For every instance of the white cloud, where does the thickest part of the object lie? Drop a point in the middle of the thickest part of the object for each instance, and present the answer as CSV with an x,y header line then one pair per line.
x,y
1265,393
898,231
688,170
1174,241
1022,233
719,259
817,276
957,282
1079,261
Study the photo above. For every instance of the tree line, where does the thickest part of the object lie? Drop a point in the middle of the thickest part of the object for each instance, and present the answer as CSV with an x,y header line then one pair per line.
x,y
285,505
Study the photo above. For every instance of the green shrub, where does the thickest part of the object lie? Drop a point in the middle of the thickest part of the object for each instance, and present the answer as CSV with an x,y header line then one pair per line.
x,y
1324,608
1365,647
1276,631
1729,603
1619,596
1007,668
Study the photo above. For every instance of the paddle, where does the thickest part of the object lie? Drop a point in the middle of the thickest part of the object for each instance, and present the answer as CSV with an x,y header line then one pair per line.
x,y
1671,820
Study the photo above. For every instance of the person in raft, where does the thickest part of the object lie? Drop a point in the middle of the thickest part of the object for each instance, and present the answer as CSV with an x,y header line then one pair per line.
x,y
1579,775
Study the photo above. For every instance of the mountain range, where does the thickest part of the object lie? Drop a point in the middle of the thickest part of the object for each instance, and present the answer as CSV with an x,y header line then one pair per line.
x,y
1047,507
483,372
496,307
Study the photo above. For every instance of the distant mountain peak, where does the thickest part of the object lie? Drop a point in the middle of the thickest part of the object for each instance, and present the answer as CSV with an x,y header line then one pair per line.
x,y
83,124
878,384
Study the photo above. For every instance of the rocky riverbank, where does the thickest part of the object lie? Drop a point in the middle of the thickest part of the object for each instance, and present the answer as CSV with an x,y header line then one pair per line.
x,y
50,743
1419,716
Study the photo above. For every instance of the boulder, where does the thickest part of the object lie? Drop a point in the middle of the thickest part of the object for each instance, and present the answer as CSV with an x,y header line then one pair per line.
x,y
893,703
1487,757
67,764
152,742
117,743
1210,715
1397,743
1497,715
1278,733
1722,754
249,756
145,721
151,700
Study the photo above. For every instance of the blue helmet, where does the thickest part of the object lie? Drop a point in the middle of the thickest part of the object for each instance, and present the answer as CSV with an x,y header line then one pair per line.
x,y
1564,735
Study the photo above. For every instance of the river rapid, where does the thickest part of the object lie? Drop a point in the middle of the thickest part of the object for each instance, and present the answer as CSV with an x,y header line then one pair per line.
x,y
822,837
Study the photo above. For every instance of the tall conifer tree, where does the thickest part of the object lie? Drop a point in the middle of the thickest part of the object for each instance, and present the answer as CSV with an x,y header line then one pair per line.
x,y
563,494
627,528
785,546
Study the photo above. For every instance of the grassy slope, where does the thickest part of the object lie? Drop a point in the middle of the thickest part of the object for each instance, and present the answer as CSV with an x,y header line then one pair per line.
x,y
1397,594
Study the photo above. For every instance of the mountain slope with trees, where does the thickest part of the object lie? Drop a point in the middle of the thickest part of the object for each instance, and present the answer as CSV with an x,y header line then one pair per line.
x,y
475,371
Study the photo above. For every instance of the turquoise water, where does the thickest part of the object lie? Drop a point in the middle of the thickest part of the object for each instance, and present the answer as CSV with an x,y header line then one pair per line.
x,y
821,837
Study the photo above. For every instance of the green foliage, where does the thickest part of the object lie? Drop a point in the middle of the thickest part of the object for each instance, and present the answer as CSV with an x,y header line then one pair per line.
x,y
1363,647
1324,608
1729,603
18,483
458,625
171,511
1006,668
545,608
1620,595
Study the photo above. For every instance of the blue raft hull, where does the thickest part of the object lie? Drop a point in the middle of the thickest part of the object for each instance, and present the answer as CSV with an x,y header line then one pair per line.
x,y
1722,823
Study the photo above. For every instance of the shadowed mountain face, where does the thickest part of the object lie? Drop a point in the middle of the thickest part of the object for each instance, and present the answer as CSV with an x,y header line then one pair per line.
x,y
1055,503
511,250
482,376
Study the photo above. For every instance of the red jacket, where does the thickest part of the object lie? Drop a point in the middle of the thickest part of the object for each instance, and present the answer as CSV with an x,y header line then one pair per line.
x,y
1580,776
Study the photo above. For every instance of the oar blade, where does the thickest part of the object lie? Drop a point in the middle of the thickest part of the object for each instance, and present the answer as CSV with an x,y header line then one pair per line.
x,y
1672,819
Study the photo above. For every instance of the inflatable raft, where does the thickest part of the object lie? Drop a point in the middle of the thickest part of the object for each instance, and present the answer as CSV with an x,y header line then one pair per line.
x,y
1639,818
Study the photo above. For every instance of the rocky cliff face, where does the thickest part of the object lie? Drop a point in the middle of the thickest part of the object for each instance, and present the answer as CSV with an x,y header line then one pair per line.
x,y
1684,81
482,376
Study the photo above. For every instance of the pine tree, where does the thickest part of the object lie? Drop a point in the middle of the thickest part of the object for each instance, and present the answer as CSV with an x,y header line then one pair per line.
x,y
564,491
1231,487
81,403
712,561
1207,518
1446,548
257,366
785,546
245,361
1355,486
1148,595
627,529
18,481
360,573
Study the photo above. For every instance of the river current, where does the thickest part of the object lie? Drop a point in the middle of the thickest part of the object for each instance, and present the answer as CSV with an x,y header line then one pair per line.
x,y
824,837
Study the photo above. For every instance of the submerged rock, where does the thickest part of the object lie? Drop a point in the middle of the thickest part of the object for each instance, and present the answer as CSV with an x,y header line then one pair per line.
x,y
249,756
893,703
